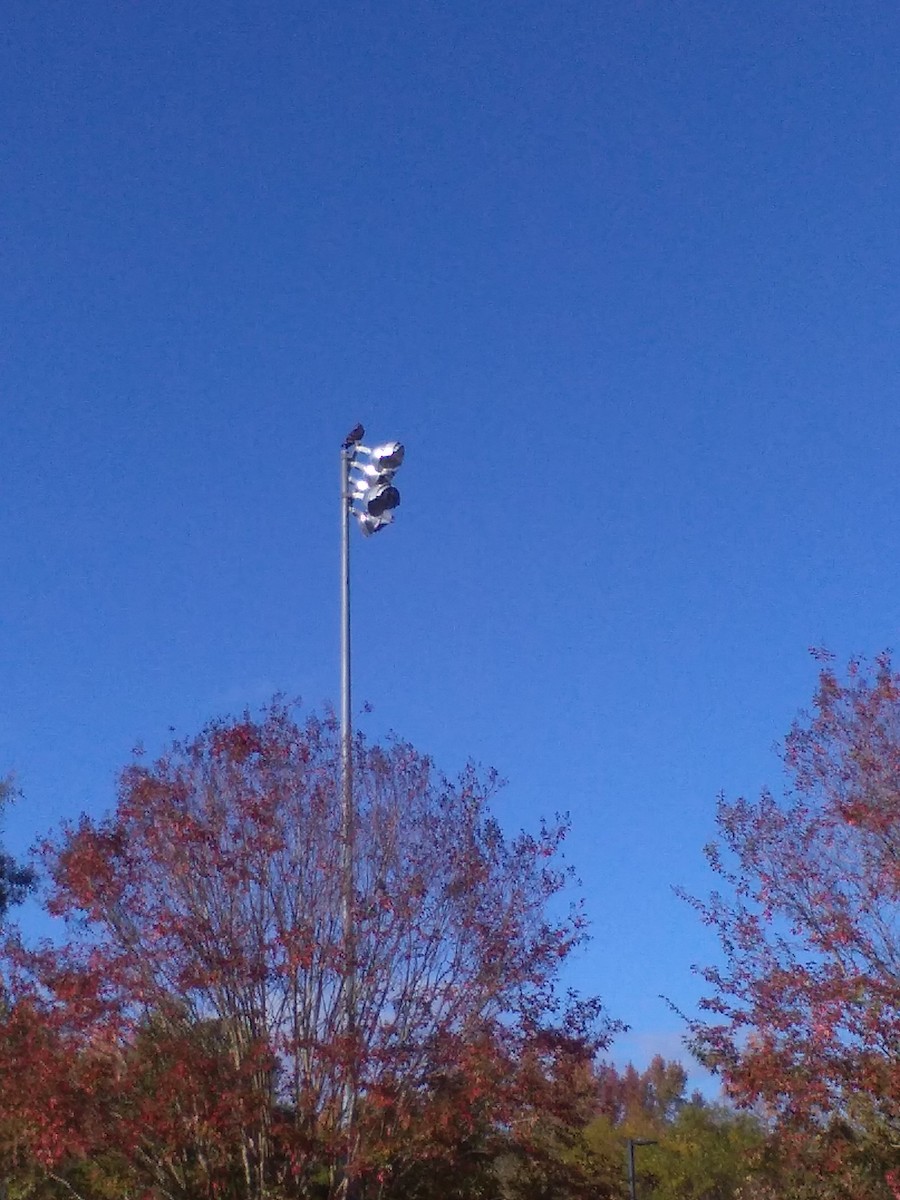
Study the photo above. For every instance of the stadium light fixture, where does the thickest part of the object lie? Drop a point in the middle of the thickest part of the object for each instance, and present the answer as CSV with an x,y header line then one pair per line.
x,y
372,494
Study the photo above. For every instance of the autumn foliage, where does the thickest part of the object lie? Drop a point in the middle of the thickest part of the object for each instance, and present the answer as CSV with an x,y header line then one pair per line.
x,y
804,1012
191,1032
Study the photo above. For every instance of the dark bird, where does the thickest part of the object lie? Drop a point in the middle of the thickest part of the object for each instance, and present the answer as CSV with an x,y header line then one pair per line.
x,y
356,434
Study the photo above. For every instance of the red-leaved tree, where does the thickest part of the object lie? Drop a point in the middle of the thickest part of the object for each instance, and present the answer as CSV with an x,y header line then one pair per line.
x,y
804,1012
193,1029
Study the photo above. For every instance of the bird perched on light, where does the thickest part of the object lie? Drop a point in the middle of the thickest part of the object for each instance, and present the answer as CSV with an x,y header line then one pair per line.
x,y
356,434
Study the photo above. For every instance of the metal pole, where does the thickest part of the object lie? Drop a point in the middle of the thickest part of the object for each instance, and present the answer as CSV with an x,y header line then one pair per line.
x,y
632,1178
632,1187
347,819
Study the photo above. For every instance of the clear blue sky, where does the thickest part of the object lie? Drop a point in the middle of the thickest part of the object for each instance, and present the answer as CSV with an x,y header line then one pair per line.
x,y
624,279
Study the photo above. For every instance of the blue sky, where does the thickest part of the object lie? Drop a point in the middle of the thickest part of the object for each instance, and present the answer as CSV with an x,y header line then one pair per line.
x,y
624,279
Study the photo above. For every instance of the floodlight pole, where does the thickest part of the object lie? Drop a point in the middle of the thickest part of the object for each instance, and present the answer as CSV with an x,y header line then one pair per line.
x,y
346,731
376,502
347,812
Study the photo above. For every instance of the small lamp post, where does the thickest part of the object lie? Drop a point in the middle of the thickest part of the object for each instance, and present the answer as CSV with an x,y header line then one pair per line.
x,y
632,1180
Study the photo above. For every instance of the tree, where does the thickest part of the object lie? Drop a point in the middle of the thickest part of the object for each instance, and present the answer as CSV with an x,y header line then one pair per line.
x,y
644,1101
694,1150
804,1012
708,1152
15,880
194,1027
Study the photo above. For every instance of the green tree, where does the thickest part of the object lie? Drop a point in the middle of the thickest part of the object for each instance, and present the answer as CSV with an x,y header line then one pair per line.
x,y
700,1151
708,1152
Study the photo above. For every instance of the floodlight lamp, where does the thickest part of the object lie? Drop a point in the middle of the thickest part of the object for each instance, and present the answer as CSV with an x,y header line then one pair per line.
x,y
387,457
369,524
372,474
377,501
